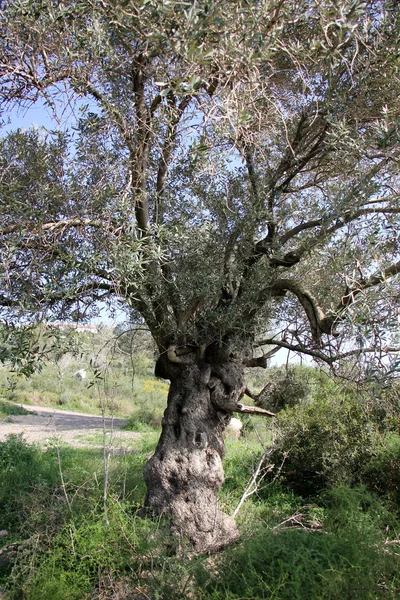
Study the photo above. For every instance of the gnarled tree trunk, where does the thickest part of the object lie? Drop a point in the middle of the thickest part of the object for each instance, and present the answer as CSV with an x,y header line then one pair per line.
x,y
185,473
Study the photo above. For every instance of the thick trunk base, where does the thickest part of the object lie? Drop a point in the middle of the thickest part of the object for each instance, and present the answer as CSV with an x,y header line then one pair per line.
x,y
183,486
185,473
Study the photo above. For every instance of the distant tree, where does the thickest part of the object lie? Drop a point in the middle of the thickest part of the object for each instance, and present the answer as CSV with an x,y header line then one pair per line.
x,y
133,340
232,180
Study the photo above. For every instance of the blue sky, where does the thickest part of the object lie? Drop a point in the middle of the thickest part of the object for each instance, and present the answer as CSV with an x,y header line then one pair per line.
x,y
37,114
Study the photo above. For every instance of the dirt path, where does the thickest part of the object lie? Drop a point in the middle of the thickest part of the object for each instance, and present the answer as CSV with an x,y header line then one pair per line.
x,y
44,425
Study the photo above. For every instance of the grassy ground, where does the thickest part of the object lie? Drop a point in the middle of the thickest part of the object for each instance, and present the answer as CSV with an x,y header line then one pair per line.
x,y
74,530
8,409
65,542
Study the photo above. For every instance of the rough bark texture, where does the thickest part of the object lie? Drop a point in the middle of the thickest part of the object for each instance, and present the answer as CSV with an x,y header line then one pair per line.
x,y
185,473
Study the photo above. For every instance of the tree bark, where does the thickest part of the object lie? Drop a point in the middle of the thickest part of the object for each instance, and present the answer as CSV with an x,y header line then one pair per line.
x,y
185,473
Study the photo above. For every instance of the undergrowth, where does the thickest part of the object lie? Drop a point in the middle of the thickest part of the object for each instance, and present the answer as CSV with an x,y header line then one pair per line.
x,y
322,522
8,409
98,376
122,396
72,546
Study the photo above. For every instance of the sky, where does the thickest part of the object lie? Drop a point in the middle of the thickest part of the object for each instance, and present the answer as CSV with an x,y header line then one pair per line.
x,y
37,114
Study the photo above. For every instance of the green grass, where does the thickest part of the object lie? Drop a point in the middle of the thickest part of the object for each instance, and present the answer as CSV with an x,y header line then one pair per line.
x,y
8,409
347,559
73,547
99,439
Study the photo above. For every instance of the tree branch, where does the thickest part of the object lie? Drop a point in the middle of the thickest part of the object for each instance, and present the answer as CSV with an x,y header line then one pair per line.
x,y
321,356
327,229
260,361
252,174
299,229
252,410
306,134
376,279
110,108
319,322
370,350
69,297
296,348
297,164
169,143
51,226
139,153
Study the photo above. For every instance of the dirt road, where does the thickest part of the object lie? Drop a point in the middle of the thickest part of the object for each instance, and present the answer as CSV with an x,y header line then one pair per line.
x,y
45,425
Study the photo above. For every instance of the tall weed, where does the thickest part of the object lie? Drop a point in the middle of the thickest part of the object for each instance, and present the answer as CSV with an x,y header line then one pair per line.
x,y
81,555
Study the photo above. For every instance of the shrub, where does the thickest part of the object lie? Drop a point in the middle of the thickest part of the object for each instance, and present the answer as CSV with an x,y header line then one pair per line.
x,y
287,386
382,472
144,419
326,443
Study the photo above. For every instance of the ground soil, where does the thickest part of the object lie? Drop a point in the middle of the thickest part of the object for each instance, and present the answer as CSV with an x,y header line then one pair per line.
x,y
46,425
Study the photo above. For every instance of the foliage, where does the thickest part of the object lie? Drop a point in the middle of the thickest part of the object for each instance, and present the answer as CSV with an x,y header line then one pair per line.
x,y
285,387
339,435
220,182
66,539
26,348
384,405
382,472
327,442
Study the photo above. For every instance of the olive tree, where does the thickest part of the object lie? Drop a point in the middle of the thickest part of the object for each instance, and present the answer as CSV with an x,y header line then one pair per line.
x,y
230,178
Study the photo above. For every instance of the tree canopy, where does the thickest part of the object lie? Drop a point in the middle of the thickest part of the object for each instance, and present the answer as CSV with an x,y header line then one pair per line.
x,y
232,172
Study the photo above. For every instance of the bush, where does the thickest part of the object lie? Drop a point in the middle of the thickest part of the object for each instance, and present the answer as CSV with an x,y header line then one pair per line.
x,y
382,473
144,419
326,443
287,386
